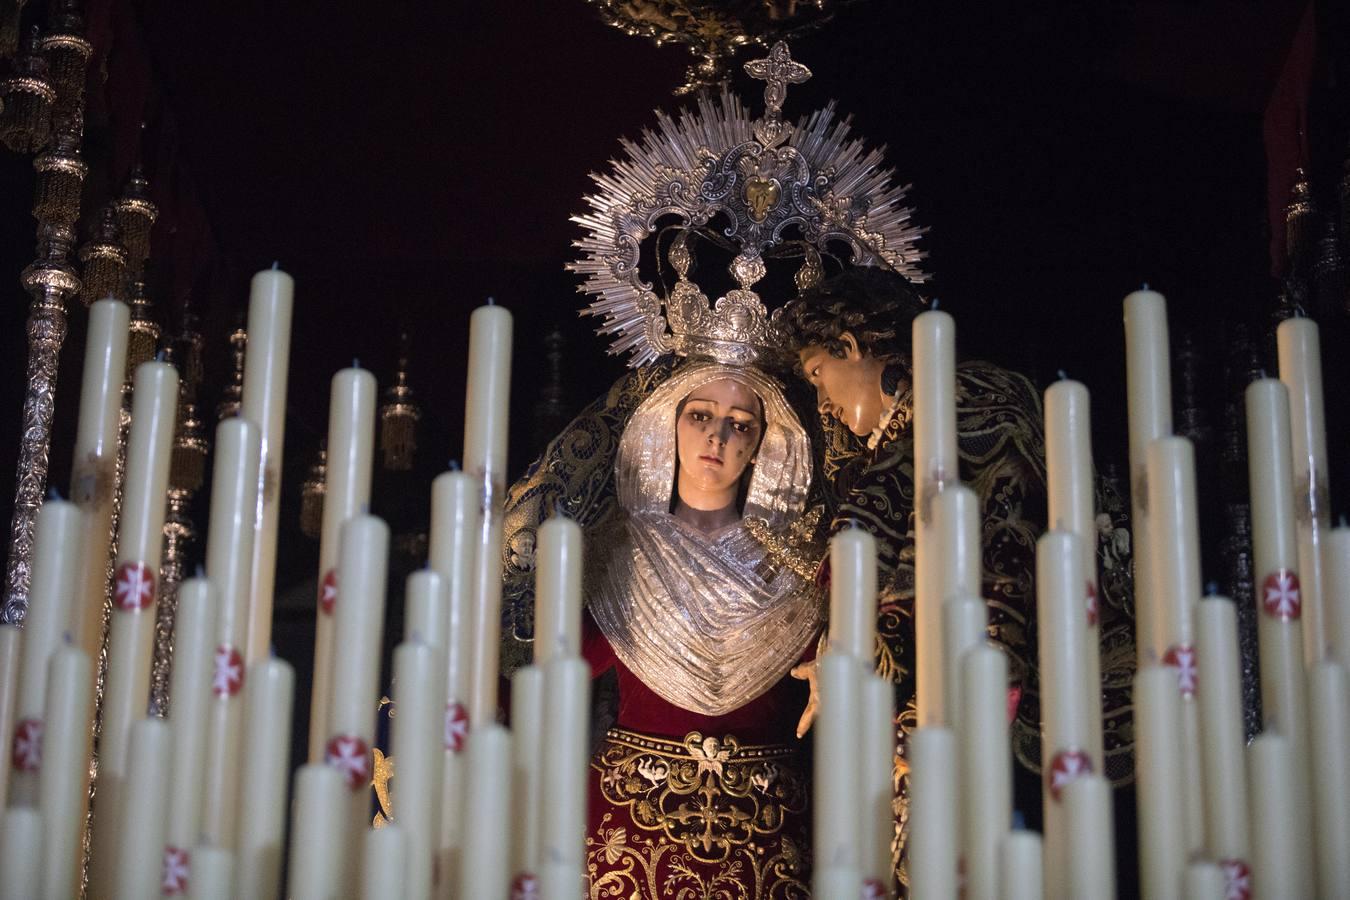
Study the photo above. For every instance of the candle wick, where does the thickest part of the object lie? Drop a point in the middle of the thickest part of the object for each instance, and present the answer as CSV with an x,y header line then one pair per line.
x,y
454,465
272,650
934,304
276,265
356,363
1211,588
1063,376
1342,520
159,355
1299,312
417,636
1263,372
1144,287
66,636
53,493
365,509
201,573
153,710
491,301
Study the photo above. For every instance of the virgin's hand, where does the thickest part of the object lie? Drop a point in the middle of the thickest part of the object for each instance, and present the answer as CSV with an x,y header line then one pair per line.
x,y
807,672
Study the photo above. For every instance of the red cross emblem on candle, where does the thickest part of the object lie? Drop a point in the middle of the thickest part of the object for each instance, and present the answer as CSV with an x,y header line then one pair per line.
x,y
873,890
28,745
177,868
229,677
133,586
328,592
525,887
1091,604
1182,658
1067,766
456,725
1280,595
351,757
1238,879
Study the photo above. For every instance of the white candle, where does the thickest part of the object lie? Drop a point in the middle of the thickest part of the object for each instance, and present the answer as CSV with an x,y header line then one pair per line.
x,y
1337,561
322,803
831,882
10,650
487,845
1159,773
143,803
935,464
853,594
1222,731
94,470
229,561
68,716
20,853
932,792
985,776
487,409
527,773
1329,694
1068,465
1091,842
964,623
384,871
1300,355
956,519
425,609
264,402
454,525
837,789
1175,566
1281,864
567,704
1020,862
54,585
351,450
190,689
419,751
557,594
262,783
876,775
1148,378
213,874
1205,881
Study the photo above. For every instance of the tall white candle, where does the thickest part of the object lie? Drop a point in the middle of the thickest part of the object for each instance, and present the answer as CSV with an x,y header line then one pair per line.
x,y
1300,354
20,853
965,621
362,567
384,871
68,716
264,402
261,828
1281,864
1091,840
10,650
229,561
527,772
425,609
853,594
93,471
1148,379
1206,881
1329,693
932,791
54,585
956,519
213,874
141,828
837,791
487,844
1068,465
351,450
1222,732
985,776
935,464
322,803
454,526
1159,773
1020,862
876,775
190,688
1175,566
419,751
487,409
567,704
557,595
1337,553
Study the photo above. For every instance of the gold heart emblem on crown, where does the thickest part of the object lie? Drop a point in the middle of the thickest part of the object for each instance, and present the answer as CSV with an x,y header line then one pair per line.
x,y
761,195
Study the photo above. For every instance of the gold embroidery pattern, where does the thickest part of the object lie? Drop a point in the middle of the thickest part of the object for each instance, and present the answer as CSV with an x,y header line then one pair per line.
x,y
707,795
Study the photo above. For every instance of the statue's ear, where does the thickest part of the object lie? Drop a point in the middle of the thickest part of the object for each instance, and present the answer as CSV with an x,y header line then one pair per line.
x,y
852,351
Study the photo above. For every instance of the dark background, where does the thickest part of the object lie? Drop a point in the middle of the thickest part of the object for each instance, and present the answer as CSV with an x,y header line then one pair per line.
x,y
404,161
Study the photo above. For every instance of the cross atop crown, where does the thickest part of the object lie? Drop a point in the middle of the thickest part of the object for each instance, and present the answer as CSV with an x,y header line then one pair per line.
x,y
778,70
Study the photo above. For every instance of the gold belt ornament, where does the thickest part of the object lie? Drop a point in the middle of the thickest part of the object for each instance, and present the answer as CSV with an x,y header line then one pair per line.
x,y
707,794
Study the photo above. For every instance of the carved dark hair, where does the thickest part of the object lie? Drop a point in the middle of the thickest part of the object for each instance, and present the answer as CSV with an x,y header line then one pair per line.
x,y
876,306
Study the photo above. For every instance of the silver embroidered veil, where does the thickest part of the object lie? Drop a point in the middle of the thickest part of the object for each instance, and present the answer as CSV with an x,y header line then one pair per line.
x,y
707,621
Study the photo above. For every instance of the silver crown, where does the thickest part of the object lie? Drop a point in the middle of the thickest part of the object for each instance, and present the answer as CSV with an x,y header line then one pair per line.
x,y
772,182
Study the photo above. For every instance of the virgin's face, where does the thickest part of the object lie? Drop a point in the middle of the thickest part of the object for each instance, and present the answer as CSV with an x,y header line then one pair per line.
x,y
716,436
